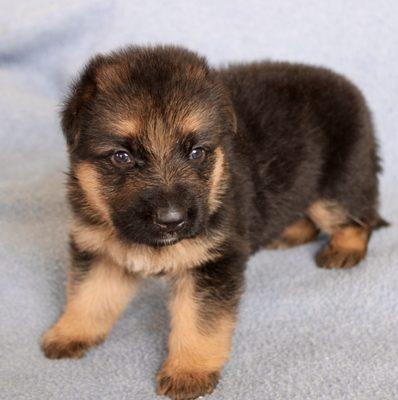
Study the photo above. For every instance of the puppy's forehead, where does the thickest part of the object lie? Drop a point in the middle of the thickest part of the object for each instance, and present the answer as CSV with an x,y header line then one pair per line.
x,y
176,122
167,99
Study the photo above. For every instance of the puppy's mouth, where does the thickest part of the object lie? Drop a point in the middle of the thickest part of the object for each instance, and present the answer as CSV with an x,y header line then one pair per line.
x,y
167,241
151,235
170,239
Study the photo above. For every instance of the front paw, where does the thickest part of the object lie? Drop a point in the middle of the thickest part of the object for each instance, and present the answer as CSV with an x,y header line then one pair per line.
x,y
56,345
186,385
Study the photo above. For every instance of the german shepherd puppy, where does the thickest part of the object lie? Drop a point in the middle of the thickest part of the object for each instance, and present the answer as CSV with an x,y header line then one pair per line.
x,y
181,170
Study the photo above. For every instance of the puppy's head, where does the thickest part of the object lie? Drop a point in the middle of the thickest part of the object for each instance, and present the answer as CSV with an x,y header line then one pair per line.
x,y
147,131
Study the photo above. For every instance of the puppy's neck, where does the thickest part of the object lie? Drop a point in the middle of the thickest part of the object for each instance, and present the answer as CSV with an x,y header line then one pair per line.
x,y
142,259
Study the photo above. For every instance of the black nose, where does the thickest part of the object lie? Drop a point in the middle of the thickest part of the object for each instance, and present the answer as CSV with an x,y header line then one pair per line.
x,y
171,218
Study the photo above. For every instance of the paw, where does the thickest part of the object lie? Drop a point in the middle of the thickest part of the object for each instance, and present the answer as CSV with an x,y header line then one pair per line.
x,y
283,244
331,257
186,385
56,346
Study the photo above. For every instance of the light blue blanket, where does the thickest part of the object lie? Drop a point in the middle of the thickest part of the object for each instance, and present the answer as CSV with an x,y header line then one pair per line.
x,y
303,333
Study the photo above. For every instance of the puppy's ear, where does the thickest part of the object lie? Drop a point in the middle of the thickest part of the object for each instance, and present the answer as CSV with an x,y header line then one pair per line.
x,y
100,75
81,93
83,90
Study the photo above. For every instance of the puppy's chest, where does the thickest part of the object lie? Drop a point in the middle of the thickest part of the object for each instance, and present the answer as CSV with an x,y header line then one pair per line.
x,y
147,261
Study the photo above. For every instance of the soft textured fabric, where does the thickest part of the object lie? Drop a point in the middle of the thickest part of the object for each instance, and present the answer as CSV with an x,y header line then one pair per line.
x,y
303,332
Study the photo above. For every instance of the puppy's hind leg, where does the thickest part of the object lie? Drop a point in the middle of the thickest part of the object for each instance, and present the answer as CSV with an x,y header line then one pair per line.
x,y
349,238
300,232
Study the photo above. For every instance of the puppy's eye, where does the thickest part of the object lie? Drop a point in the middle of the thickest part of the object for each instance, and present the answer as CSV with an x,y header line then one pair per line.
x,y
121,158
197,153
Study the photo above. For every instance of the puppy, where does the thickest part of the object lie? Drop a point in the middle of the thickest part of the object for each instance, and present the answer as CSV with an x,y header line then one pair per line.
x,y
181,170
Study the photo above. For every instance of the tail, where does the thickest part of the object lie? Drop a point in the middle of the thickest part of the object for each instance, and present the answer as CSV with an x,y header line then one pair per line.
x,y
380,223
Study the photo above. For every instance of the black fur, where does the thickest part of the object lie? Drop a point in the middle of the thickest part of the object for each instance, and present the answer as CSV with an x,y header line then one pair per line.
x,y
304,134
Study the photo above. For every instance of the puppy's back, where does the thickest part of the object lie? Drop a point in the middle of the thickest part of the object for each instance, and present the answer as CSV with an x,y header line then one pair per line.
x,y
305,130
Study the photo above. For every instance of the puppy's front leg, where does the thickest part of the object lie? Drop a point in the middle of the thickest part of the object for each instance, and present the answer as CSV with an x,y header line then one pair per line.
x,y
96,296
203,307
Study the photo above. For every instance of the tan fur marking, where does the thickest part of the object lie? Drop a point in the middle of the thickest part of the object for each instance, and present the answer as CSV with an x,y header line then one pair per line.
x,y
88,179
93,306
301,232
190,349
350,238
160,140
195,120
218,182
146,260
127,127
327,215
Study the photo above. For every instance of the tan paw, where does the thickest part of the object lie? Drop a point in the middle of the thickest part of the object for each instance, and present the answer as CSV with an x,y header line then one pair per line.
x,y
55,345
186,385
331,257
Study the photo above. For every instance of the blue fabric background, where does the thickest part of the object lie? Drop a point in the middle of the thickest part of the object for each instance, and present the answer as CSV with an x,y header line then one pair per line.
x,y
304,333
